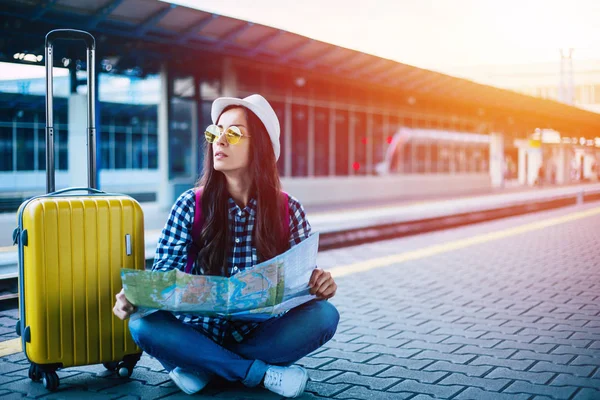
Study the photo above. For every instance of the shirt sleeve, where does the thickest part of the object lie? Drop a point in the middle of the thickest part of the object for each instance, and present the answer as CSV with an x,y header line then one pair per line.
x,y
299,225
173,243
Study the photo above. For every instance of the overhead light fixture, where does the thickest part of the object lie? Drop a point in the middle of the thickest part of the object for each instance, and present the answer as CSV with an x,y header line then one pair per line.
x,y
28,57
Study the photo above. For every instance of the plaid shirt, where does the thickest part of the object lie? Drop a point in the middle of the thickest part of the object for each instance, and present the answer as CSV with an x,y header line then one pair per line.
x,y
176,237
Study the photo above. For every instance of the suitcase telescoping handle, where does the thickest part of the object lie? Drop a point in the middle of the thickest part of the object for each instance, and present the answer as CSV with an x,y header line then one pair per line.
x,y
51,37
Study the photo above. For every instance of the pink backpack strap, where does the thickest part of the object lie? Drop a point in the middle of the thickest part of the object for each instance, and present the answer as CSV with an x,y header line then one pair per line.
x,y
285,217
196,231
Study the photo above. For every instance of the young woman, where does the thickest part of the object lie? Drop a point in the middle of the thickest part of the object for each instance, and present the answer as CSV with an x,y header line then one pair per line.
x,y
242,226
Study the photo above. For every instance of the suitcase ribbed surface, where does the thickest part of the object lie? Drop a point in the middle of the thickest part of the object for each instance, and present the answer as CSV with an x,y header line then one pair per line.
x,y
76,248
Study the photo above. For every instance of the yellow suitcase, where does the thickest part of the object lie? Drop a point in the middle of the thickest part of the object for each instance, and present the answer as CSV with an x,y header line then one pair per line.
x,y
72,246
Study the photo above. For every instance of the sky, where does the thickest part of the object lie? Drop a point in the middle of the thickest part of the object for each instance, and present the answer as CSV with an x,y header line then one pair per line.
x,y
442,35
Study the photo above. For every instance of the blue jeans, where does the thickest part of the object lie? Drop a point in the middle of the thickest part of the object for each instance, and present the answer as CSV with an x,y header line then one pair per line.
x,y
277,341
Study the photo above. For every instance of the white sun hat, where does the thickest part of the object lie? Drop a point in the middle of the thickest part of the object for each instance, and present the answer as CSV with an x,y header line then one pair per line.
x,y
260,107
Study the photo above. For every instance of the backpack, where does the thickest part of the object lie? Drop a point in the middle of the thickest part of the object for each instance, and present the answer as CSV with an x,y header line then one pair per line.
x,y
194,248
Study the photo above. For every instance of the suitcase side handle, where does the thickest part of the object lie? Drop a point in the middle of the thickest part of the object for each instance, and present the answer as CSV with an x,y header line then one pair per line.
x,y
71,34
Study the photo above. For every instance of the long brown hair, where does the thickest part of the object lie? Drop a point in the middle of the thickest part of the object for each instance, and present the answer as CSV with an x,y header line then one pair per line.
x,y
215,238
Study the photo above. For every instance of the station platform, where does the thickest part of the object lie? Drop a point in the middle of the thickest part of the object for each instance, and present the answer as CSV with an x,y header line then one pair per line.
x,y
505,309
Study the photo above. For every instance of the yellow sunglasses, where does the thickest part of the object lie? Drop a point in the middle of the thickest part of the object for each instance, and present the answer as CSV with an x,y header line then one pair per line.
x,y
233,134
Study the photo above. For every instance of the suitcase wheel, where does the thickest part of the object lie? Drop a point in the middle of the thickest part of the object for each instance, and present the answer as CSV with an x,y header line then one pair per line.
x,y
34,373
125,369
51,381
111,366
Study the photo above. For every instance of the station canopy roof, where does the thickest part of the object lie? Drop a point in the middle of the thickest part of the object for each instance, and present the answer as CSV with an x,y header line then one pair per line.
x,y
146,32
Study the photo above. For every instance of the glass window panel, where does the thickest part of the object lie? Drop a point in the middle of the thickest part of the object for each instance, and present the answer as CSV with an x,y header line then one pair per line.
x,y
62,148
380,135
41,148
341,147
407,150
445,154
322,141
359,162
433,162
152,151
6,149
137,149
120,148
421,157
279,109
105,146
485,159
299,140
180,136
25,148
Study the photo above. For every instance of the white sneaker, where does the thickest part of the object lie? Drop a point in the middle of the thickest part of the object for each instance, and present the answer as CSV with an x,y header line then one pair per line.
x,y
189,382
286,381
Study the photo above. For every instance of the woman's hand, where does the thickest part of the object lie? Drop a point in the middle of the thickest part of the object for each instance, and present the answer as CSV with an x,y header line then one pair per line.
x,y
322,284
123,308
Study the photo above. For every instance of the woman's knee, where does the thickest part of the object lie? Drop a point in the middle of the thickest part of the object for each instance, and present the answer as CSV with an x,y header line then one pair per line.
x,y
144,330
328,316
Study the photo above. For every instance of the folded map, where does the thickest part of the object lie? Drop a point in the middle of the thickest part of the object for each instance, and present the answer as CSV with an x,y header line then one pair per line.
x,y
257,293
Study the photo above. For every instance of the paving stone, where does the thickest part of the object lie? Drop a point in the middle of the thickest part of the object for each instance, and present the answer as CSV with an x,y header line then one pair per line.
x,y
14,358
7,367
11,396
587,394
475,350
420,376
144,391
531,355
244,393
440,347
430,338
571,380
470,370
149,377
532,377
318,375
545,366
27,387
369,381
403,362
472,342
508,339
312,362
409,385
92,382
486,383
398,352
363,369
363,330
366,340
520,365
359,392
571,350
436,355
347,355
562,392
472,393
345,346
150,362
325,389
76,394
